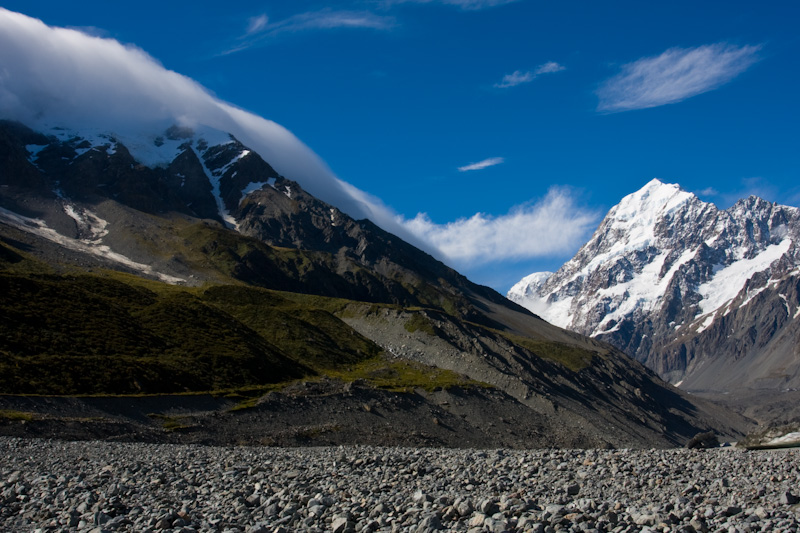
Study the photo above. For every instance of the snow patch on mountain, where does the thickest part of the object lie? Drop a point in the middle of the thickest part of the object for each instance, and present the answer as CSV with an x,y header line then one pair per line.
x,y
256,186
238,157
214,179
526,290
82,141
93,227
92,245
529,285
33,151
730,280
643,291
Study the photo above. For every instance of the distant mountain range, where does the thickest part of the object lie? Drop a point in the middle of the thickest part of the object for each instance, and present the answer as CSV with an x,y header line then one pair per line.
x,y
179,260
707,298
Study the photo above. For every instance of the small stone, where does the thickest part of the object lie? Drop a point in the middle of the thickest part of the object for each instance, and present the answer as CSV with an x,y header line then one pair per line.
x,y
477,520
421,497
339,524
646,519
732,510
431,521
699,525
488,507
464,508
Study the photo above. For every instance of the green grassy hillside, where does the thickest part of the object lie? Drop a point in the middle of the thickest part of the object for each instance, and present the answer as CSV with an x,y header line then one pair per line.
x,y
114,333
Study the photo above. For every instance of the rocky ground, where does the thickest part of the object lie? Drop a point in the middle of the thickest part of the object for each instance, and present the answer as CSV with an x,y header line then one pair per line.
x,y
102,486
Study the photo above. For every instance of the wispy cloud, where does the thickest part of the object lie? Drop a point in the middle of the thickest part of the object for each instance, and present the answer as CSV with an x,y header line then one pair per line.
x,y
492,161
257,24
550,66
260,28
515,78
466,5
519,77
708,191
675,75
552,226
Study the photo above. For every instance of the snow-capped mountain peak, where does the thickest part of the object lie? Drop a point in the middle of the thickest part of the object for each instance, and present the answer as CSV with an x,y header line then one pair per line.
x,y
648,204
664,265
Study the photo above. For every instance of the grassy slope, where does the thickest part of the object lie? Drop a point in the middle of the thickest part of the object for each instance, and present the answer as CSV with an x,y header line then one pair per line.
x,y
113,333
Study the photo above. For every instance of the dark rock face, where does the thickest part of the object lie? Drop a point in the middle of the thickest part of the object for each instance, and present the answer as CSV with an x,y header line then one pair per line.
x,y
706,298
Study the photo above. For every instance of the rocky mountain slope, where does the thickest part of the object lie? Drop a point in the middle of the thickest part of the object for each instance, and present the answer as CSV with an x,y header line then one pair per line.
x,y
707,298
180,261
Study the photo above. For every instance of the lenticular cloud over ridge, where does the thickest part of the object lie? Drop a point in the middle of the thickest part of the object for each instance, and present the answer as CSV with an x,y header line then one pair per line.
x,y
63,77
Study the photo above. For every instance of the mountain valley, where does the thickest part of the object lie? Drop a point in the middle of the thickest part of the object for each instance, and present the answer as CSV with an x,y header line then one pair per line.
x,y
186,264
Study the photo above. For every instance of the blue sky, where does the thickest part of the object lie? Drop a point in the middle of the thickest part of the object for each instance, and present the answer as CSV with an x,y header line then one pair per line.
x,y
515,122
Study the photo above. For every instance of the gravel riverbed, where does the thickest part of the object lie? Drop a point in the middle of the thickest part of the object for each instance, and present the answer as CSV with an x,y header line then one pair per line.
x,y
101,486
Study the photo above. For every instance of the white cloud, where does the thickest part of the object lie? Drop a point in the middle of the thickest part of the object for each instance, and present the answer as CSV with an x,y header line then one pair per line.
x,y
260,28
482,164
554,225
515,78
466,5
64,77
519,77
328,19
675,75
256,24
708,191
550,66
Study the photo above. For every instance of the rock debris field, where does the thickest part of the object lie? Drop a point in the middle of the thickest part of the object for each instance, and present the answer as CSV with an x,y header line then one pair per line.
x,y
101,486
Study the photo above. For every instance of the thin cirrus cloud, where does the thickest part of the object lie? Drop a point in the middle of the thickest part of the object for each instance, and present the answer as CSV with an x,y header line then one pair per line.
x,y
674,76
466,5
490,162
257,24
260,28
554,225
519,77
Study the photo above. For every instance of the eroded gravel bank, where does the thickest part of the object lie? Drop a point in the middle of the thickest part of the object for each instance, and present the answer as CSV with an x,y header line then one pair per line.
x,y
101,486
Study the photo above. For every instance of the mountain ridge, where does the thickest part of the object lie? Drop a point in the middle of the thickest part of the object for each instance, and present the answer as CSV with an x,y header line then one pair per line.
x,y
218,218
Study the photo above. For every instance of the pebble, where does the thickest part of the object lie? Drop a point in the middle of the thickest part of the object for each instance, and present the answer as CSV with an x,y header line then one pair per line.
x,y
55,486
